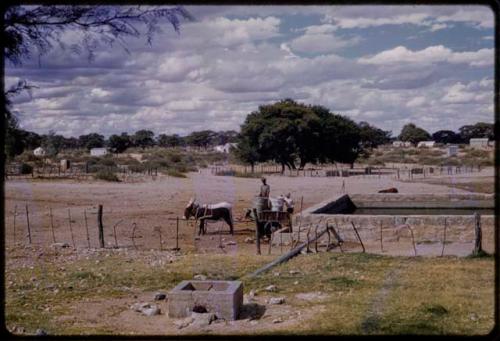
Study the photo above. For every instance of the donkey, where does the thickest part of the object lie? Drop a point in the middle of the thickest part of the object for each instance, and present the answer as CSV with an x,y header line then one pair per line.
x,y
221,210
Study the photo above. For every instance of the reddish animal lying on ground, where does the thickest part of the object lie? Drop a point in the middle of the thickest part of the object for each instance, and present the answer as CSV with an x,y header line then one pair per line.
x,y
220,211
389,190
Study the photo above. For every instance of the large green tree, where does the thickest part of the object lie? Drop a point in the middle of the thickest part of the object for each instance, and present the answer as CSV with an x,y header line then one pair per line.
x,y
92,140
293,134
371,136
480,129
446,136
203,138
143,138
413,134
120,143
169,140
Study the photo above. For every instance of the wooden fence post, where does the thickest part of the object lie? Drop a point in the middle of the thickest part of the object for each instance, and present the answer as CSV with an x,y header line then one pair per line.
x,y
444,237
478,249
257,235
28,222
86,227
100,226
52,226
71,229
177,235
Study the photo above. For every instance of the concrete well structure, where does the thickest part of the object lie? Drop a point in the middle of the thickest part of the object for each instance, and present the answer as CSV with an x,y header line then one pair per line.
x,y
425,214
223,298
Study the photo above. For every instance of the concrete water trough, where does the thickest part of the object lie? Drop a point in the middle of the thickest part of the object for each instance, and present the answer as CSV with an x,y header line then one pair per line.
x,y
431,218
223,298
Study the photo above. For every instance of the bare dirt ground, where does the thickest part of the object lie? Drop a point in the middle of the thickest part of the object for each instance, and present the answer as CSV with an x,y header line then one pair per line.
x,y
156,203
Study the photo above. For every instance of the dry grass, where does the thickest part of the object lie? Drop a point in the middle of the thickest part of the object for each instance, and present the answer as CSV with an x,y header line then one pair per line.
x,y
425,295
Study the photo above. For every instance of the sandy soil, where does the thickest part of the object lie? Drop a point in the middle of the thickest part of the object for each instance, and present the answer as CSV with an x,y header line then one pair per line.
x,y
154,204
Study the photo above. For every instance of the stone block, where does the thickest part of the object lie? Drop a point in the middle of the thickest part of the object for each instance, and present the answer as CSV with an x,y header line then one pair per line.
x,y
223,298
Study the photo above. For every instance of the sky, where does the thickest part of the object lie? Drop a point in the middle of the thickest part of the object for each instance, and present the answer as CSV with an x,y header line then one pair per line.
x,y
386,65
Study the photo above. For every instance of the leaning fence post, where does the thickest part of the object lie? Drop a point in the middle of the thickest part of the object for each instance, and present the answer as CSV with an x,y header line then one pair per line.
x,y
28,222
70,228
413,240
478,249
337,235
100,226
357,234
52,226
134,226
86,227
114,233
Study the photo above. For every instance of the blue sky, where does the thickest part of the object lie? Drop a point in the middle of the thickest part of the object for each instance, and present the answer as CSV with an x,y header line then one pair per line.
x,y
387,65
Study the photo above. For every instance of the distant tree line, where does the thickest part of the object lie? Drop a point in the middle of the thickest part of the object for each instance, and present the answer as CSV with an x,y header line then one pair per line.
x,y
414,134
289,133
18,140
294,134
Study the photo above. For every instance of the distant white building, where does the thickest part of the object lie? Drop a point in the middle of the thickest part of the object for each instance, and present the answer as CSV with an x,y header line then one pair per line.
x,y
452,150
39,151
98,151
428,144
224,148
402,144
479,142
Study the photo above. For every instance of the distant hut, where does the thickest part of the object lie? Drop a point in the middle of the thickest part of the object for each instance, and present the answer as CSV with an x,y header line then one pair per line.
x,y
427,144
98,151
479,142
39,151
224,148
452,150
402,144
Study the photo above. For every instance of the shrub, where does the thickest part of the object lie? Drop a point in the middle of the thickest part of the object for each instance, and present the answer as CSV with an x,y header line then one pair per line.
x,y
175,173
107,162
175,157
107,175
137,168
26,168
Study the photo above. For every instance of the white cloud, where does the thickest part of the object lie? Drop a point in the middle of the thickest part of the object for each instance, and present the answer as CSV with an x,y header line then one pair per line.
x,y
481,17
429,55
435,17
416,102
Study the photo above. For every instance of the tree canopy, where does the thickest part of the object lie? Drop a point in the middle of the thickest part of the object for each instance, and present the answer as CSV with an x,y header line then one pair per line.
x,y
446,136
480,129
293,134
413,134
371,136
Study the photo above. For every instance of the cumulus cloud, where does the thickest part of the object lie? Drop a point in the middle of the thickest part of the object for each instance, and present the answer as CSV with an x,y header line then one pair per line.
x,y
429,55
233,59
